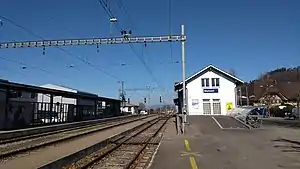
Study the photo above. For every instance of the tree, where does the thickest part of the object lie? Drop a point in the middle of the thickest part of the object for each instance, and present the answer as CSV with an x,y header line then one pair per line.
x,y
232,72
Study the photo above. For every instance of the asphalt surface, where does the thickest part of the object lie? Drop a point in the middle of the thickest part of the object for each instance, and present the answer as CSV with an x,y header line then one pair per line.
x,y
229,122
277,121
214,148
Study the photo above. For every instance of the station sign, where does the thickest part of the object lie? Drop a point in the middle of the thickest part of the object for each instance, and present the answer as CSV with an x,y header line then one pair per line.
x,y
210,90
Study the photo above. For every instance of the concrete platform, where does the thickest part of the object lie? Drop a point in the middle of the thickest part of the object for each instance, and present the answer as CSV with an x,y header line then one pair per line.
x,y
43,129
206,146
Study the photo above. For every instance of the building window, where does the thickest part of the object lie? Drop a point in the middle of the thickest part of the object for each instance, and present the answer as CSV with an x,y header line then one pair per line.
x,y
205,82
216,106
206,107
215,82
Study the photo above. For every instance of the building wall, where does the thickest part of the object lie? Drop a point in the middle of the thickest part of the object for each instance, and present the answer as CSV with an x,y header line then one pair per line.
x,y
226,93
56,87
2,108
85,102
45,98
56,99
131,109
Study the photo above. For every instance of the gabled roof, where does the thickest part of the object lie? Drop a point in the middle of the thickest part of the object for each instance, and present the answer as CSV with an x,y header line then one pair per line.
x,y
69,89
212,68
129,105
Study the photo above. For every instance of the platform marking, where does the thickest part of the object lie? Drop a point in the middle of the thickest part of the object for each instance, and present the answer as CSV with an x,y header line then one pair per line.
x,y
217,122
190,154
192,158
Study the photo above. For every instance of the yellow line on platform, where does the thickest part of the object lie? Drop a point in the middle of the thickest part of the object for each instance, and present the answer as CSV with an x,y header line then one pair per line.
x,y
192,158
187,146
193,163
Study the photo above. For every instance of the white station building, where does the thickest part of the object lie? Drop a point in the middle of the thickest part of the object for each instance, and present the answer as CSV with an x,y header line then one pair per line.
x,y
211,91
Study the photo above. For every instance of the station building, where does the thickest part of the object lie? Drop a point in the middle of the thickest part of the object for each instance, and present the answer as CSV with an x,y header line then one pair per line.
x,y
211,91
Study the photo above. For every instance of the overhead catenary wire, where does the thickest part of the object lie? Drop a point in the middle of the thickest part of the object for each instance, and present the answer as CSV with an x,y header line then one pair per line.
x,y
30,66
119,27
123,8
170,28
65,51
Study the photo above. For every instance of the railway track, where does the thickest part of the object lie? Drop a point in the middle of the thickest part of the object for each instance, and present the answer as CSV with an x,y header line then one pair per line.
x,y
80,126
16,146
133,150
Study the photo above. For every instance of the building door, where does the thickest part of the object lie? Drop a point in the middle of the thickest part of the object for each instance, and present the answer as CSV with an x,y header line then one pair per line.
x,y
216,107
206,107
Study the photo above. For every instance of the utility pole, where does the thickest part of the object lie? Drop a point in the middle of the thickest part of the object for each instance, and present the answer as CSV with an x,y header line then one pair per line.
x,y
122,94
247,95
147,88
184,108
109,41
112,21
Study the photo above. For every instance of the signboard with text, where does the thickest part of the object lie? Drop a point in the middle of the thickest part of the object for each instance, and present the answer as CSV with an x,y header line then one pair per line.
x,y
210,90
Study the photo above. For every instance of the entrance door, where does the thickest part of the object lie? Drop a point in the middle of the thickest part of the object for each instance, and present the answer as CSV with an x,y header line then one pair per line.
x,y
216,107
206,107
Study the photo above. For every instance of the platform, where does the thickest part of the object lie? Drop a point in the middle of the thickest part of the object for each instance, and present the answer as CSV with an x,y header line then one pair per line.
x,y
206,145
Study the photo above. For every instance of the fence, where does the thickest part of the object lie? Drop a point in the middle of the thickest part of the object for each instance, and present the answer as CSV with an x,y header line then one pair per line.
x,y
23,114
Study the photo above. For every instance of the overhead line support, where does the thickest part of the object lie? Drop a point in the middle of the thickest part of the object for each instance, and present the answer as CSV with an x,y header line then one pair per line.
x,y
92,41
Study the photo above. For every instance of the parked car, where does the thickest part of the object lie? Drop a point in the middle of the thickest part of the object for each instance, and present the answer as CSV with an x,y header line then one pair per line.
x,y
281,110
294,114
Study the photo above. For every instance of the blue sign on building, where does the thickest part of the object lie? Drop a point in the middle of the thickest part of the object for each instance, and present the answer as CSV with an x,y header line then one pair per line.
x,y
210,90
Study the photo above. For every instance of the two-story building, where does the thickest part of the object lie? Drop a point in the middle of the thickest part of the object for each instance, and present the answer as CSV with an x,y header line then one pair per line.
x,y
211,91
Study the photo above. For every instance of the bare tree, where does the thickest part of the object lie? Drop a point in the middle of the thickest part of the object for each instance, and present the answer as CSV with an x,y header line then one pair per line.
x,y
232,72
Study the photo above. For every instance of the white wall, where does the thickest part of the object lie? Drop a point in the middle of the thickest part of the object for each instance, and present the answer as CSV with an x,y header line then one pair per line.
x,y
226,93
56,87
2,108
130,109
46,98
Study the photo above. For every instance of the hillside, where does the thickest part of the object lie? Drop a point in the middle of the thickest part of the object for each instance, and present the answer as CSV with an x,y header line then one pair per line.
x,y
285,81
282,75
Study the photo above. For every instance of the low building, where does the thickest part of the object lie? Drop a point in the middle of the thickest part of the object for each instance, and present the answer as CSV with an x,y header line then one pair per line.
x,y
24,105
274,93
129,108
211,91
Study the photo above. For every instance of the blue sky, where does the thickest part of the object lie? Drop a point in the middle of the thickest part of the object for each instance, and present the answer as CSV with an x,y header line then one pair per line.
x,y
250,37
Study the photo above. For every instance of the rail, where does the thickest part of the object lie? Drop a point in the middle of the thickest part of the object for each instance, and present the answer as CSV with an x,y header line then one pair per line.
x,y
135,141
7,150
36,130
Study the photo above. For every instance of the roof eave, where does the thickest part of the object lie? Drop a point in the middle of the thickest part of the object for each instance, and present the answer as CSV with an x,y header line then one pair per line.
x,y
236,80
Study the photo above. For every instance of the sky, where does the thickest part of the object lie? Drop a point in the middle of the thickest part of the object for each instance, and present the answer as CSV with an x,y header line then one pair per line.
x,y
250,37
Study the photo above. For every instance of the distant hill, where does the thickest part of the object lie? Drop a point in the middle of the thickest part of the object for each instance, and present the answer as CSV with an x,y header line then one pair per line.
x,y
282,75
283,80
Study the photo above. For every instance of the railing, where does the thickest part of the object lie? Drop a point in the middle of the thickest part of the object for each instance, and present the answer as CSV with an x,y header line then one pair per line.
x,y
23,114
